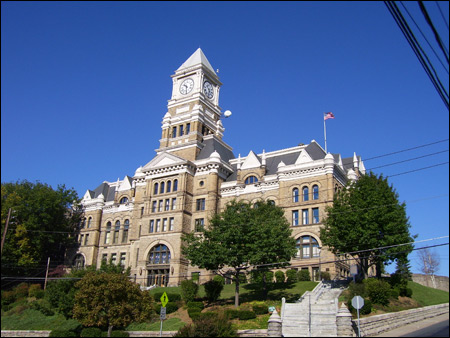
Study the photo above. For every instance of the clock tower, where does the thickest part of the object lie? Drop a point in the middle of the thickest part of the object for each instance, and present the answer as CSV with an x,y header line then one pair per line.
x,y
193,111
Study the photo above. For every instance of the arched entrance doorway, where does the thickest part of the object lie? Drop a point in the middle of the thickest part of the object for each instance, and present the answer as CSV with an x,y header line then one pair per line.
x,y
158,266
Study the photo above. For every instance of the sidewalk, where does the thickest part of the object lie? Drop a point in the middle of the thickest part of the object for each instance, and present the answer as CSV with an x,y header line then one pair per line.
x,y
414,326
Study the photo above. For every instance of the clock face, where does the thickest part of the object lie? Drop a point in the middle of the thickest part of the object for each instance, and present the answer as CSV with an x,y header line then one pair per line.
x,y
208,89
186,86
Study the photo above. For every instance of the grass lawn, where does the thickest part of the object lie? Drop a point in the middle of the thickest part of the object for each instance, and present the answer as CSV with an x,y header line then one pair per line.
x,y
251,292
426,296
30,319
171,324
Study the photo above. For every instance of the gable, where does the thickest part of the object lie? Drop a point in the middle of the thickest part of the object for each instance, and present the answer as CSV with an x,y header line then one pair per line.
x,y
303,157
163,160
251,161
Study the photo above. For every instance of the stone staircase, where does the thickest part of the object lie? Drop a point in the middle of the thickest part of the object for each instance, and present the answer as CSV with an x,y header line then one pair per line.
x,y
313,315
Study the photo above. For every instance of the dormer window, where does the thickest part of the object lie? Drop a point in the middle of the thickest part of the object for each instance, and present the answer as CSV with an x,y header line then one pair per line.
x,y
251,180
123,200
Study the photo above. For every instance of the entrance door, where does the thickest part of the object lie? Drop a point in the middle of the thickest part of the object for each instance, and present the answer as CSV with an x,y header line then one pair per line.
x,y
158,277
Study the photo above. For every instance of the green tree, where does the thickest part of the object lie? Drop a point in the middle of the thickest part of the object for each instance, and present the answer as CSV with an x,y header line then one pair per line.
x,y
364,217
42,225
239,237
110,300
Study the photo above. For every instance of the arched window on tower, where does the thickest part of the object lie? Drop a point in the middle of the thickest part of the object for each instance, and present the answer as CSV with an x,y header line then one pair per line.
x,y
175,185
315,192
126,226
251,180
161,190
169,186
155,190
116,232
108,232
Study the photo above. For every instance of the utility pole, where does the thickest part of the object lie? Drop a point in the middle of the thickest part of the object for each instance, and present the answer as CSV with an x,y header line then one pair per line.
x,y
46,273
6,229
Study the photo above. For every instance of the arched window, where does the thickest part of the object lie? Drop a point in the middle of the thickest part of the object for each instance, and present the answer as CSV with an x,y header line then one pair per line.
x,y
305,191
123,200
89,222
78,262
83,223
175,185
295,195
155,191
315,192
307,247
116,232
169,186
160,254
108,232
126,226
161,190
251,179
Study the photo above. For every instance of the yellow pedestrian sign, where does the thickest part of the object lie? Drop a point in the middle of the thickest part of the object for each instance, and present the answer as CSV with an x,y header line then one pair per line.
x,y
164,299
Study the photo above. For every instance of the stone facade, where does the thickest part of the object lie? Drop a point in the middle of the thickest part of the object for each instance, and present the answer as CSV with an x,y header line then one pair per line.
x,y
138,221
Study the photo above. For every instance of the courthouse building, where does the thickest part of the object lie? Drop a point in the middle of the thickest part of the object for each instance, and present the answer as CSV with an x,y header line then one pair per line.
x,y
138,221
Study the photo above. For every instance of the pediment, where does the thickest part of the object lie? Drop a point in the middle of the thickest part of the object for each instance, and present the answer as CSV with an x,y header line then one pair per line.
x,y
251,161
303,157
164,160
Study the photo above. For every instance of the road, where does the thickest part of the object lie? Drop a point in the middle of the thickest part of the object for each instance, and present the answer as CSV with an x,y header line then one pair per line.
x,y
432,327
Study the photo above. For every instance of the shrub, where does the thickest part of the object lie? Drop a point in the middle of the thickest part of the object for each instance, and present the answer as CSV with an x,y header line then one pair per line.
x,y
189,290
356,289
8,297
43,306
291,275
260,309
279,276
198,305
365,310
173,297
35,290
219,279
246,315
406,292
303,275
62,333
120,333
378,291
91,332
208,326
394,293
325,275
170,307
213,289
21,290
232,313
194,313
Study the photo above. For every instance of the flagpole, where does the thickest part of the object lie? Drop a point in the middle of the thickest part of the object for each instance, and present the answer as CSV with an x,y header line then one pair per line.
x,y
325,134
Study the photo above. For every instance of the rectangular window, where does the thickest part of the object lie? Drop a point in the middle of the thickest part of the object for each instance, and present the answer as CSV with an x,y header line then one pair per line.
x,y
164,224
154,206
152,226
174,132
305,216
107,235
122,258
160,205
188,128
200,204
181,130
86,239
105,258
295,218
116,237
113,258
315,215
171,223
80,239
125,235
167,205
174,203
199,224
158,225
142,211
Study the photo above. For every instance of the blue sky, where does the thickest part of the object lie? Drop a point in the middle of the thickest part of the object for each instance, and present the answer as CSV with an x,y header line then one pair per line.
x,y
85,86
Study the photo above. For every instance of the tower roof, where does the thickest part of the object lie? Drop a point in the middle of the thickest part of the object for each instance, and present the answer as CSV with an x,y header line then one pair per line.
x,y
195,59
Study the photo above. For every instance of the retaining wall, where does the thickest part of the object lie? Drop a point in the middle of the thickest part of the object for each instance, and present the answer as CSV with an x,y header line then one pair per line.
x,y
374,325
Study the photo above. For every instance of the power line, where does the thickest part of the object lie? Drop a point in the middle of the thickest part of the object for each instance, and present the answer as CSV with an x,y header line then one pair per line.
x,y
408,160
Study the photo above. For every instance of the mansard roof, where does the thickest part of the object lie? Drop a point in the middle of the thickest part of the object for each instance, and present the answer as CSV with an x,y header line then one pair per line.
x,y
211,145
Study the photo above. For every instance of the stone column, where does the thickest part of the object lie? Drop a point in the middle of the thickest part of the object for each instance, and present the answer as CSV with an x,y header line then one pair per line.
x,y
344,322
275,325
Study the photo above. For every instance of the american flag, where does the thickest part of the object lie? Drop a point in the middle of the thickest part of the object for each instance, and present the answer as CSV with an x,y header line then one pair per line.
x,y
328,115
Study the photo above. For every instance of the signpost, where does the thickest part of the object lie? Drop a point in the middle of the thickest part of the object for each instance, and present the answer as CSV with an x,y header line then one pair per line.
x,y
162,314
358,303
